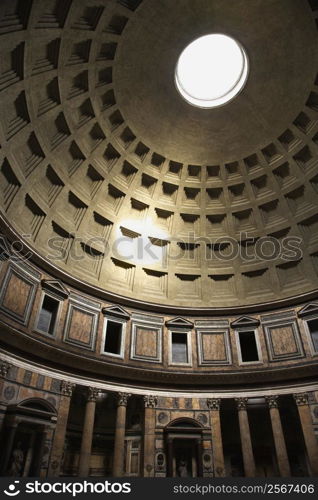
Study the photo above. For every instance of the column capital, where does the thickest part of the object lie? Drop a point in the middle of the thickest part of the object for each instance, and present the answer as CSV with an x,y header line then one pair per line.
x,y
122,398
93,394
150,401
213,404
272,401
241,403
67,388
301,399
4,369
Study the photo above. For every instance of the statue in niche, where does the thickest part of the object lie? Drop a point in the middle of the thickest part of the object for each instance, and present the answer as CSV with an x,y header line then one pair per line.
x,y
182,468
17,459
135,421
160,459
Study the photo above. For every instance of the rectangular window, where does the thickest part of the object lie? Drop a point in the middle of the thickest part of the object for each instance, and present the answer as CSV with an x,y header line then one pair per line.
x,y
248,346
132,457
48,315
179,347
313,330
113,338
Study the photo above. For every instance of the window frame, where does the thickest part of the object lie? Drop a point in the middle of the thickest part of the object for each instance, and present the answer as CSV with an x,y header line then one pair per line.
x,y
122,322
313,352
58,314
258,345
189,347
129,450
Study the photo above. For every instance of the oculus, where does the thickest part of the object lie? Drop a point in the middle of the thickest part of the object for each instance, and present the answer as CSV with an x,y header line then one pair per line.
x,y
211,71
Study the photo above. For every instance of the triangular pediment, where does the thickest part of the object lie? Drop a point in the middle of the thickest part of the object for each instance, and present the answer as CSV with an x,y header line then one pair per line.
x,y
56,287
116,311
311,308
179,322
245,321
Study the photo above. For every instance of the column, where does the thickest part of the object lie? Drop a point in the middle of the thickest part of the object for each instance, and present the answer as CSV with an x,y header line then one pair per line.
x,y
170,457
119,446
60,429
4,370
278,434
308,431
88,431
44,451
10,433
149,435
198,444
29,456
217,444
246,441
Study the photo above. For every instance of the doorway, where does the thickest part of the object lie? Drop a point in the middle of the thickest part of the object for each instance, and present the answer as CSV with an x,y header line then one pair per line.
x,y
184,458
184,448
25,438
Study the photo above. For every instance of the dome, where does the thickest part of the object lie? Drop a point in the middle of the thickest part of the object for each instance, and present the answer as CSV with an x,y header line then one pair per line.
x,y
159,238
113,178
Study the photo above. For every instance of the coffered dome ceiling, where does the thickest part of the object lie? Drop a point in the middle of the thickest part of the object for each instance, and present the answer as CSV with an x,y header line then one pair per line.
x,y
110,175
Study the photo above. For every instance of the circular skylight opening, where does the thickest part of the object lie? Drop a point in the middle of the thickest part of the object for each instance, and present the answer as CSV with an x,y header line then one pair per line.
x,y
211,71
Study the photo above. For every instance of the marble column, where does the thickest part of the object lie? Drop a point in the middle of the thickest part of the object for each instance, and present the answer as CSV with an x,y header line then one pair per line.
x,y
246,440
119,445
60,429
4,370
149,435
44,451
308,431
170,457
7,452
29,456
217,444
198,444
278,434
88,431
